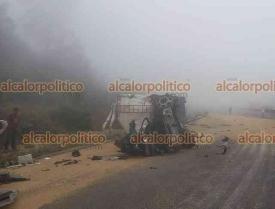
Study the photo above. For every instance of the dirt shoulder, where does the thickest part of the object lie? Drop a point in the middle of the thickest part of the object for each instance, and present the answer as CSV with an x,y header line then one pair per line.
x,y
50,182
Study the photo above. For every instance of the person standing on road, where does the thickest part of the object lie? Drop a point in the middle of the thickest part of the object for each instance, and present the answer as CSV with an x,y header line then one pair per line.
x,y
224,145
230,111
3,127
12,130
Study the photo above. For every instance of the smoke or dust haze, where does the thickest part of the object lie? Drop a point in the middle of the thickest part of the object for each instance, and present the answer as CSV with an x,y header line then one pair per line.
x,y
147,40
71,138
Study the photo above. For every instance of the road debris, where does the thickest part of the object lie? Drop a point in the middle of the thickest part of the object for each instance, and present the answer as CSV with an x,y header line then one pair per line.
x,y
45,169
6,178
5,164
25,159
15,166
71,162
66,162
7,197
61,162
118,157
76,153
95,157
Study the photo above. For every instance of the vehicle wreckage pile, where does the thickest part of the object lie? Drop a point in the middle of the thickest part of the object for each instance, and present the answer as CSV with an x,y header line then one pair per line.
x,y
166,116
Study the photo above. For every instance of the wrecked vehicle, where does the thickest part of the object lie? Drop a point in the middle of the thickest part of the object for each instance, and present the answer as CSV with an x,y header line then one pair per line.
x,y
154,114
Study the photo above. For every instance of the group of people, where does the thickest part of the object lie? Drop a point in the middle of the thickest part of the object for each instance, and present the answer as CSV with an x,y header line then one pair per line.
x,y
9,130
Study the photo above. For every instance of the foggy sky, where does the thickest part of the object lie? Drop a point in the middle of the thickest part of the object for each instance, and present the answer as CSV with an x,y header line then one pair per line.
x,y
151,40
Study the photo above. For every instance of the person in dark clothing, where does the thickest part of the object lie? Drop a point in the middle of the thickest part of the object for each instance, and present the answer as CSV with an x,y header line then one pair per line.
x,y
12,130
230,111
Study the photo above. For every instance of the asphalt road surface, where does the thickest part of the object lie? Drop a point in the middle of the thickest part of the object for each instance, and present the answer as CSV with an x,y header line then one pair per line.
x,y
201,178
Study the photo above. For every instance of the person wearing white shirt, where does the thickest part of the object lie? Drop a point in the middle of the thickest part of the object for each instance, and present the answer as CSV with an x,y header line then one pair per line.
x,y
224,145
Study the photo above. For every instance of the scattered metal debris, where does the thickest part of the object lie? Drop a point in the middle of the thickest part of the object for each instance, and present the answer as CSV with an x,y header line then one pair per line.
x,y
25,159
66,162
6,178
5,164
76,153
15,166
71,162
61,162
95,157
7,197
112,157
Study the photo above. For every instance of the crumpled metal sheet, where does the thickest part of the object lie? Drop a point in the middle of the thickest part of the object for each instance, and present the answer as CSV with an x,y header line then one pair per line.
x,y
7,197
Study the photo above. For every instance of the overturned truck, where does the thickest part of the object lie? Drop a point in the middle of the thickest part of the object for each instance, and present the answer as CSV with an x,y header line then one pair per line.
x,y
143,115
